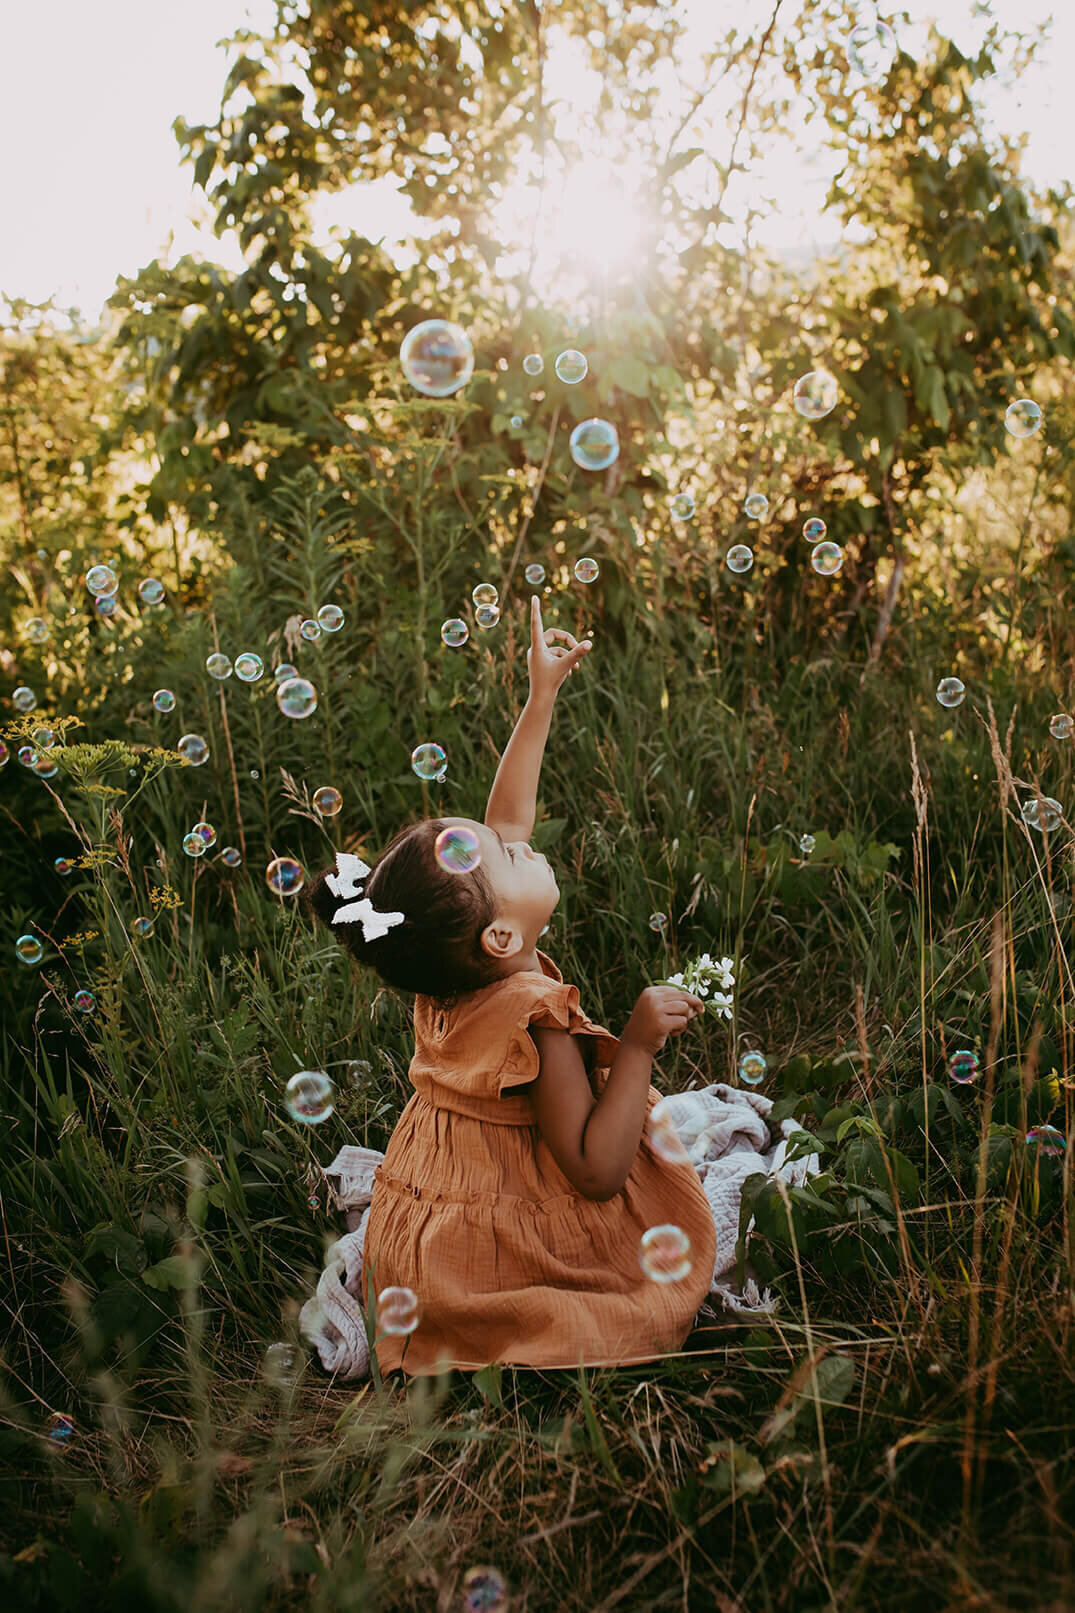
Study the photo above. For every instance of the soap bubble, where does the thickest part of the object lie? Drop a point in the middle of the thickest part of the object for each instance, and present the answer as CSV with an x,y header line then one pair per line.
x,y
739,558
533,364
485,594
594,444
36,630
397,1311
1022,418
871,49
313,1202
487,615
1046,1140
664,1254
457,849
24,698
658,922
807,844
682,506
296,697
85,1002
163,700
254,773
193,845
218,666
232,856
310,1097
516,422
752,1067
45,767
437,358
105,604
663,1136
282,1366
816,394
1061,725
454,632
586,569
310,630
4,754
827,558
60,1428
814,529
43,737
427,760
327,800
756,506
143,927
151,591
63,866
284,671
484,1590
951,692
27,756
963,1066
207,833
28,949
284,876
534,574
1044,814
331,618
101,580
194,749
249,667
571,367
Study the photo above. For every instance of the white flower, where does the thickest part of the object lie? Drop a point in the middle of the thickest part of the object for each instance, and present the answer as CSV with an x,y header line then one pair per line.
x,y
675,980
723,1004
703,991
705,961
727,981
727,964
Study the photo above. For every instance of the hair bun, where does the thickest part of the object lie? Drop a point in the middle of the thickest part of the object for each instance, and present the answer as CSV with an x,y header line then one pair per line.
x,y
319,901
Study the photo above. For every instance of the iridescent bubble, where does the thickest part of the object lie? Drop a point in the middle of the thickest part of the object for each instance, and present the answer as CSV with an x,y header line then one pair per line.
x,y
254,773
533,364
284,671
484,1590
163,700
437,358
816,394
151,591
4,754
457,849
454,632
27,756
296,697
43,737
658,922
105,604
218,666
516,422
871,49
310,1097
284,876
663,1137
427,760
594,444
534,574
485,594
313,1202
60,1428
814,529
193,845
24,698
681,506
207,833
327,800
571,367
142,927
85,1001
1046,1140
331,618
951,692
752,1067
36,630
101,580
397,1311
282,1366
28,949
963,1066
249,667
232,856
310,630
756,506
586,569
1043,814
827,558
45,767
193,749
1022,418
665,1254
807,844
63,866
487,615
1061,725
739,558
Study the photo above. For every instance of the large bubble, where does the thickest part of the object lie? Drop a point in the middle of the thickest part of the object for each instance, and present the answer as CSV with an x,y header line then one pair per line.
x,y
1022,418
827,558
457,849
310,1097
533,364
951,692
756,506
571,367
681,506
24,699
594,444
151,590
218,666
101,581
296,697
331,618
586,569
249,667
437,358
739,558
872,49
454,632
193,749
284,876
665,1253
327,800
816,395
428,760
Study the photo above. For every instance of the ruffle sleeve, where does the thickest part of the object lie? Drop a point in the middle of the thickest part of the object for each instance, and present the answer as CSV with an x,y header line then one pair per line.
x,y
537,1000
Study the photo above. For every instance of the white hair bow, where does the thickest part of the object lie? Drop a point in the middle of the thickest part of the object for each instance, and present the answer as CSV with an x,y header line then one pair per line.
x,y
347,882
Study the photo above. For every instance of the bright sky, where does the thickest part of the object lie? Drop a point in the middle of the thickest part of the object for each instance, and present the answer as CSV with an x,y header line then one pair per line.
x,y
93,187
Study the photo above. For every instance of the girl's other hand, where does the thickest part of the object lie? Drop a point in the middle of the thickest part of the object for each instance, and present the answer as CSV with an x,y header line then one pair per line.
x,y
549,662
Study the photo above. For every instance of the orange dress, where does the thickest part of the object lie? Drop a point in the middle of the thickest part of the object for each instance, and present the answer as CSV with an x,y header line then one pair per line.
x,y
470,1210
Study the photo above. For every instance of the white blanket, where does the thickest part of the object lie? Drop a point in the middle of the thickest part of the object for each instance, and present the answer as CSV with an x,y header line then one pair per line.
x,y
725,1134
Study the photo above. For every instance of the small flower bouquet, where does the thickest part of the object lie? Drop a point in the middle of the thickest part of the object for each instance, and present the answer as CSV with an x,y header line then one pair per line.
x,y
702,977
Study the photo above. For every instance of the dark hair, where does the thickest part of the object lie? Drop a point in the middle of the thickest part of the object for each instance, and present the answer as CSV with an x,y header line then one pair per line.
x,y
437,949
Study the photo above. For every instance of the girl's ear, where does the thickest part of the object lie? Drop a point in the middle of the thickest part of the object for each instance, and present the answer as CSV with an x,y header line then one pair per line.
x,y
501,940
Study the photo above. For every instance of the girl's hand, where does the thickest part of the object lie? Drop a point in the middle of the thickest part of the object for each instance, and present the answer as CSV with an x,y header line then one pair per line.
x,y
660,1012
547,662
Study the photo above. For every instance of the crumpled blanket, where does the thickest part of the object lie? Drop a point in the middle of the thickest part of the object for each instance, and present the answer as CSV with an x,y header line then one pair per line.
x,y
727,1139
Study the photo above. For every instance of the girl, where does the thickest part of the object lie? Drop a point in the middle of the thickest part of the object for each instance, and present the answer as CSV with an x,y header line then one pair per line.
x,y
513,1195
